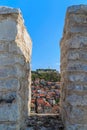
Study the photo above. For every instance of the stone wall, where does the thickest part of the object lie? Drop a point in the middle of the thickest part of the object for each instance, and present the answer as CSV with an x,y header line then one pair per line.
x,y
15,76
15,55
74,69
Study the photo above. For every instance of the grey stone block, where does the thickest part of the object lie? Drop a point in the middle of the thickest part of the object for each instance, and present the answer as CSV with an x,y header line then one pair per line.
x,y
9,84
9,112
8,127
10,59
8,30
8,10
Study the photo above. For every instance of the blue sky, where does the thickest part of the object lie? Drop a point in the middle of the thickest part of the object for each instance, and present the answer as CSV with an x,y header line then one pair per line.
x,y
44,20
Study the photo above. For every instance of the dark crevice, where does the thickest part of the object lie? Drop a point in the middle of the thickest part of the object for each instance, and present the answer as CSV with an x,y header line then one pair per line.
x,y
7,100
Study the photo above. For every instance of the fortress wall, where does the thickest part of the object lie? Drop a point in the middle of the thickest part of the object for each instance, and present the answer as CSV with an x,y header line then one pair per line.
x,y
74,69
15,73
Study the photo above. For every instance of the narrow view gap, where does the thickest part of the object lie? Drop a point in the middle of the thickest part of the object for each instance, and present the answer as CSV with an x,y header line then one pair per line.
x,y
45,89
45,100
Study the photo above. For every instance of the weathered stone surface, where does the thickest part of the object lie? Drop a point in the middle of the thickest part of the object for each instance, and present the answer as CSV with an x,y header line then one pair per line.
x,y
8,10
9,84
77,87
74,69
15,77
76,42
9,97
11,71
77,29
47,122
8,127
77,100
10,59
13,48
3,47
79,19
77,9
78,77
77,66
75,127
9,112
8,30
75,112
29,128
25,47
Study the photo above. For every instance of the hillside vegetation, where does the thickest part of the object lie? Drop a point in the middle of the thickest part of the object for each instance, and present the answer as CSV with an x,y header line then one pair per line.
x,y
47,75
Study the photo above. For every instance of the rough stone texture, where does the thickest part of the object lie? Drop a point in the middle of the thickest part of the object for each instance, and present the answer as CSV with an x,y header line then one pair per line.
x,y
8,126
74,69
7,10
15,55
45,122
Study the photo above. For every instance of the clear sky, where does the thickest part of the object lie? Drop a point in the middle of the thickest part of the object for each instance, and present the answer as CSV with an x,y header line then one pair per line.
x,y
44,20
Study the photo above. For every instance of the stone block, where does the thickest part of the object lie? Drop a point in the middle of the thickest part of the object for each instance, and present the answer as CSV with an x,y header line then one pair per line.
x,y
74,55
9,84
8,30
77,114
8,127
79,19
77,66
14,48
77,87
8,10
76,42
76,126
77,55
8,97
10,59
77,29
77,9
7,72
75,99
3,47
9,112
77,77
16,70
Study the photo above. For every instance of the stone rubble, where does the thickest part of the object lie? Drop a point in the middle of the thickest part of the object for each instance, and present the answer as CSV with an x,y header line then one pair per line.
x,y
47,122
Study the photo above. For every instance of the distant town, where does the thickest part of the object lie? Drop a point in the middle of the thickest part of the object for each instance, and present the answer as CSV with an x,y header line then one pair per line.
x,y
45,91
